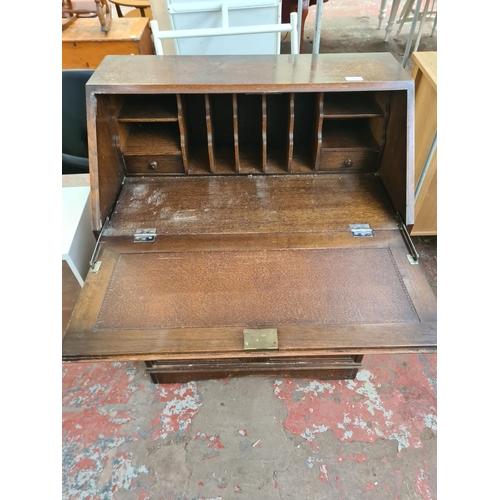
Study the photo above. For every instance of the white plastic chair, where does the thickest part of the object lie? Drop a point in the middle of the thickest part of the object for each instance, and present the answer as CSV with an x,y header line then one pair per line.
x,y
225,27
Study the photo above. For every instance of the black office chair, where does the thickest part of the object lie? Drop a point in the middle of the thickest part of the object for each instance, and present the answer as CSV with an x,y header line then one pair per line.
x,y
75,153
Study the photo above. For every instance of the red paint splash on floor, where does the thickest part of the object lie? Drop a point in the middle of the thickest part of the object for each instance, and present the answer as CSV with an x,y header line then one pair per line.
x,y
359,457
213,441
391,398
323,473
422,483
182,404
340,487
89,390
89,426
97,384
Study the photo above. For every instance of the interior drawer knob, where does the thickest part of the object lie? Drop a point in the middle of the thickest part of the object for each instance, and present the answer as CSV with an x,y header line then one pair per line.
x,y
348,162
153,165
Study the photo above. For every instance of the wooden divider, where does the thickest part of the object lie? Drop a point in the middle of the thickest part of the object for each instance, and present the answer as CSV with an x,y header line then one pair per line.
x,y
316,141
210,134
182,133
252,133
264,133
236,137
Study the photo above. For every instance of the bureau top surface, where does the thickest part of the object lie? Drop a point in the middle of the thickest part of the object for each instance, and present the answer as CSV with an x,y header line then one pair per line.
x,y
262,73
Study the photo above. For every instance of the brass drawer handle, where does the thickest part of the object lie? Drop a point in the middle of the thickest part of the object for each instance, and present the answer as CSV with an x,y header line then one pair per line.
x,y
348,162
153,165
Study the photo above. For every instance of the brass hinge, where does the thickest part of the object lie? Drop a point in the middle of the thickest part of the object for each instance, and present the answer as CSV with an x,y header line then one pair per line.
x,y
264,339
145,235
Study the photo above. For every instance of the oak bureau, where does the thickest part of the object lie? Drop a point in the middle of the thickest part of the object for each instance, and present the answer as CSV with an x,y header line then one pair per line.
x,y
251,216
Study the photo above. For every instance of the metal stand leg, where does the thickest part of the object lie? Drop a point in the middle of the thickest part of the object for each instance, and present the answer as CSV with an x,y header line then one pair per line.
x,y
412,32
317,29
422,23
299,23
434,26
294,42
426,167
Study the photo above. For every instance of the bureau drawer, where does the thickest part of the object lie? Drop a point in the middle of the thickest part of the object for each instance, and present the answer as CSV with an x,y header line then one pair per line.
x,y
154,164
348,161
322,367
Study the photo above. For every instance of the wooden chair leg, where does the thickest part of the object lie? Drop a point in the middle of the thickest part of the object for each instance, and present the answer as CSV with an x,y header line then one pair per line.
x,y
392,17
381,15
305,10
404,16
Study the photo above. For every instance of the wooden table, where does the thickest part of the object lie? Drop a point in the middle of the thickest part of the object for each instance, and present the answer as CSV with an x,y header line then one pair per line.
x,y
425,76
142,5
84,45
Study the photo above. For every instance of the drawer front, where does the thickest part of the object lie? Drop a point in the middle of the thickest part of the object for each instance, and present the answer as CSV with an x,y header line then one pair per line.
x,y
154,164
348,161
325,367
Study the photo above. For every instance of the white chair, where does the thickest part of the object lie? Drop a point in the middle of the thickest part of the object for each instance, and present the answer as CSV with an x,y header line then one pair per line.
x,y
408,13
225,27
412,7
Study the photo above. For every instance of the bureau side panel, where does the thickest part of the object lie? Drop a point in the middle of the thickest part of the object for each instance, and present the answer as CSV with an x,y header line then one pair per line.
x,y
105,160
397,162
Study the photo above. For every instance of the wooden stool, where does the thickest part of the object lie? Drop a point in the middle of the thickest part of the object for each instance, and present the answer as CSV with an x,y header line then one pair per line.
x,y
102,11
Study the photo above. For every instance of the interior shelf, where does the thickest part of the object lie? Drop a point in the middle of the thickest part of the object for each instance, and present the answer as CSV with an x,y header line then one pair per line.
x,y
347,135
152,138
149,108
351,105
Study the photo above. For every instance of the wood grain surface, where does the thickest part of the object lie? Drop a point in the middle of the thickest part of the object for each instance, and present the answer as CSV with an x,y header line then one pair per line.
x,y
257,204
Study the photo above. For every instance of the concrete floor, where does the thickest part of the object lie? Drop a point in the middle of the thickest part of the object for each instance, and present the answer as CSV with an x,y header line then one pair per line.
x,y
260,438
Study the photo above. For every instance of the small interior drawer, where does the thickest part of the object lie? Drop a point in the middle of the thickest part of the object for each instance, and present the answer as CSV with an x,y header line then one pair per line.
x,y
154,164
348,161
